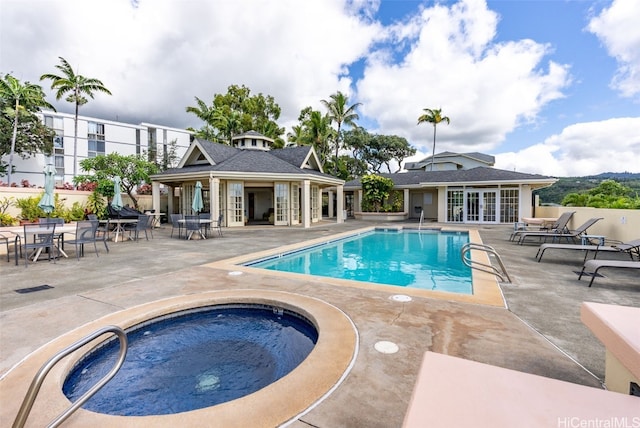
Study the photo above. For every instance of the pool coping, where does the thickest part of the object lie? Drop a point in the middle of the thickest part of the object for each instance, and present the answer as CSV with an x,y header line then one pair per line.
x,y
317,376
486,290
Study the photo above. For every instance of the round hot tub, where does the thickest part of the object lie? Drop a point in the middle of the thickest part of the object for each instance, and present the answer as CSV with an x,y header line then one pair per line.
x,y
195,359
276,403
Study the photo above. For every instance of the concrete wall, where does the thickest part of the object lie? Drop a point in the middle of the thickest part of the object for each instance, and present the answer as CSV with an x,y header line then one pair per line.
x,y
621,225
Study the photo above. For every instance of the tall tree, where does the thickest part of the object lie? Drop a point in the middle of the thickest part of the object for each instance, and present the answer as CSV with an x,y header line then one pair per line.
x,y
18,99
78,87
340,113
433,116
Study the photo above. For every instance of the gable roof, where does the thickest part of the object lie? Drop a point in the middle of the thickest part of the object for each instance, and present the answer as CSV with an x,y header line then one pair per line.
x,y
222,160
302,156
478,175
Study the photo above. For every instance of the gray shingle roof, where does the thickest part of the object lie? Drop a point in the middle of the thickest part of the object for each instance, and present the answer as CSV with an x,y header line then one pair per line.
x,y
479,174
230,159
293,155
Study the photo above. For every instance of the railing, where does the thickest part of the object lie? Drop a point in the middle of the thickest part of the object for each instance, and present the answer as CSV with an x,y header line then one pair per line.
x,y
421,219
32,393
465,253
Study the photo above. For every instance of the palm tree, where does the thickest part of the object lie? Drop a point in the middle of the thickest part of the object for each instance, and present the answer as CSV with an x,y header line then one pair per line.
x,y
77,86
23,98
433,116
340,113
319,133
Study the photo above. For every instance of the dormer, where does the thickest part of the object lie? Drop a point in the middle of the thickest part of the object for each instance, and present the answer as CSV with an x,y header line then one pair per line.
x,y
252,140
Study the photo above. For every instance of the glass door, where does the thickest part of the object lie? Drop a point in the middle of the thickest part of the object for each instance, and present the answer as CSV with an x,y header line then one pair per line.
x,y
281,208
235,204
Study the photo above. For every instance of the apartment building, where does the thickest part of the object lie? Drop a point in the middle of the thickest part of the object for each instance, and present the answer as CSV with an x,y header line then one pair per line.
x,y
164,144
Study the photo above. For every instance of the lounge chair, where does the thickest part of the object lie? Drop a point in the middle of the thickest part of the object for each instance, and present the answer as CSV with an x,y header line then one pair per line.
x,y
560,226
593,266
571,235
631,247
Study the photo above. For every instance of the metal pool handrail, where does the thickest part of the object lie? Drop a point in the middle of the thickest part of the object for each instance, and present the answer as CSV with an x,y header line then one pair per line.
x,y
465,253
32,393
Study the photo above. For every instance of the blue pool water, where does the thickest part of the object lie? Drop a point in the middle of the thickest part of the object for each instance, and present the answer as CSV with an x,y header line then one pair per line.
x,y
195,360
418,259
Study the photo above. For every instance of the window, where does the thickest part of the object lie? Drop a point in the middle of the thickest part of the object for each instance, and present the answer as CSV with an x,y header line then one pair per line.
x,y
254,143
56,123
152,145
282,203
137,141
509,205
455,205
95,139
315,205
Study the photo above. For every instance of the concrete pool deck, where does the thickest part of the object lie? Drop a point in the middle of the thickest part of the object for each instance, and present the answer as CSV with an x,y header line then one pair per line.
x,y
545,297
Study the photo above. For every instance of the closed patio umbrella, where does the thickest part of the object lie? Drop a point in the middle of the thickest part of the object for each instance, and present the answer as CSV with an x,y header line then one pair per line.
x,y
116,202
197,204
47,202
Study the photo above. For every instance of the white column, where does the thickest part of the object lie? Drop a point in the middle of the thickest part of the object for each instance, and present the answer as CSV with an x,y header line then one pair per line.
x,y
358,201
340,204
406,202
442,204
306,204
214,197
155,196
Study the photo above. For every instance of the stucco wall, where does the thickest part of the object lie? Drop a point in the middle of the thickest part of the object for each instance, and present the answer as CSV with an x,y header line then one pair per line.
x,y
621,225
71,196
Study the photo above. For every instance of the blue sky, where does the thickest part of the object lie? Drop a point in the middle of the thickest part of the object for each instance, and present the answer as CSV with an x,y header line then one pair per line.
x,y
546,86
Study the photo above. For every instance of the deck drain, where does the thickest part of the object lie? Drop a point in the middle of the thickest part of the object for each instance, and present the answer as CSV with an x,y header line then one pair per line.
x,y
235,273
386,347
33,289
400,298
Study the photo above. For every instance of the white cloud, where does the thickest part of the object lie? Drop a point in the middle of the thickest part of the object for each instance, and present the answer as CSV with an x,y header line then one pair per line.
x,y
157,55
617,27
611,145
485,88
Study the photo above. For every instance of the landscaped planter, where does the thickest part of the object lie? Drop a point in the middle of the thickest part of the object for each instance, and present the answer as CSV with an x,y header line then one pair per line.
x,y
381,216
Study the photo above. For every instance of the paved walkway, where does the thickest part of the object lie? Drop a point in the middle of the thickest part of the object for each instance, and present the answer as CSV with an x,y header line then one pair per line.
x,y
539,333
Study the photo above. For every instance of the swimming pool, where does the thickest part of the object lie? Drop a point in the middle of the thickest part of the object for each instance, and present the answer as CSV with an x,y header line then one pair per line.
x,y
428,260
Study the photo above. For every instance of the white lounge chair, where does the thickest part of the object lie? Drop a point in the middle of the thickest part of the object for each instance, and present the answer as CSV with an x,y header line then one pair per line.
x,y
573,234
593,266
631,247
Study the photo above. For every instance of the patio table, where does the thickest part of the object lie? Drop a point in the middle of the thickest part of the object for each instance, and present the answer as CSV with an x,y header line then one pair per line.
x,y
120,223
201,221
156,218
18,231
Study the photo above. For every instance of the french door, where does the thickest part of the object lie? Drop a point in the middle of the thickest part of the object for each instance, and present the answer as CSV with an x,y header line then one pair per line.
x,y
281,191
481,206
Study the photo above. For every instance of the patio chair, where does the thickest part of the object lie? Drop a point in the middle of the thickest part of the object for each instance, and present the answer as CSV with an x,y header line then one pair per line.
x,y
102,232
591,267
192,225
85,234
219,224
631,247
570,235
37,238
560,226
206,227
142,225
175,224
5,239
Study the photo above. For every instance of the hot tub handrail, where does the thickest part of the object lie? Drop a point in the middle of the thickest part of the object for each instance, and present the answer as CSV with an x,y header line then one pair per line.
x,y
33,390
474,264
